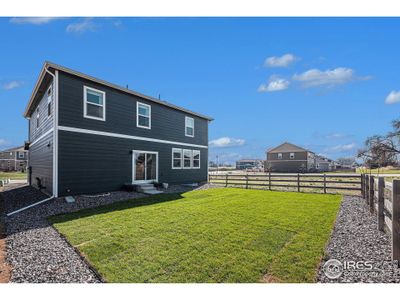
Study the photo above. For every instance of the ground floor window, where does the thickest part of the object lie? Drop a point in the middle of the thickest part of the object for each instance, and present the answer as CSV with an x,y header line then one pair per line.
x,y
185,159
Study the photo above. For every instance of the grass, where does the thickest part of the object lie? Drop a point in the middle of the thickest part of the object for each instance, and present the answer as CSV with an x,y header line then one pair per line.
x,y
380,171
215,235
12,175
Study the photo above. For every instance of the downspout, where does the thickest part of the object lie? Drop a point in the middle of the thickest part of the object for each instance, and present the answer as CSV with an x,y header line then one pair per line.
x,y
55,131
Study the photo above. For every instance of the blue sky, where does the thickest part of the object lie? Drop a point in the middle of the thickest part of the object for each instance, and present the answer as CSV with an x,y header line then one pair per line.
x,y
321,83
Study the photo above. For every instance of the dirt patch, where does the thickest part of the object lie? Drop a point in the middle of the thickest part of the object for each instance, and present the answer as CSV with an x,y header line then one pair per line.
x,y
5,269
270,279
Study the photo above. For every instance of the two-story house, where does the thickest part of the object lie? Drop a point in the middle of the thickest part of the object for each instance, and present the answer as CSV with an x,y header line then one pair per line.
x,y
14,159
289,158
87,135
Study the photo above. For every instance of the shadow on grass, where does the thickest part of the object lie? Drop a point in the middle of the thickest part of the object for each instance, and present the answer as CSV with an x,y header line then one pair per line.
x,y
122,205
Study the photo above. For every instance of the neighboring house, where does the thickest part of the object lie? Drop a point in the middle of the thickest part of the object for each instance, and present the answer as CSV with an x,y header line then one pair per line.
x,y
245,164
289,158
90,136
323,164
14,159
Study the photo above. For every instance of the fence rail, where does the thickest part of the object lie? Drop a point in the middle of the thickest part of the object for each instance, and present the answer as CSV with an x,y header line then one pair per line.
x,y
383,199
322,183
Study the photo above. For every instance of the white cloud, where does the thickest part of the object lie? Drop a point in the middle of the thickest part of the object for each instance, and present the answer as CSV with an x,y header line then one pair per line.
x,y
226,142
12,85
393,97
33,20
315,77
3,142
83,26
341,148
274,84
338,136
280,61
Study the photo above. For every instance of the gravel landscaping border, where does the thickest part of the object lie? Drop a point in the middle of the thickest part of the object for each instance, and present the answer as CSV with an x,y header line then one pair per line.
x,y
355,238
36,252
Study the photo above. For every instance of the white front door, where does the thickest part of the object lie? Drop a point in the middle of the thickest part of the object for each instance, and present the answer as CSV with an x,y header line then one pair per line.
x,y
144,166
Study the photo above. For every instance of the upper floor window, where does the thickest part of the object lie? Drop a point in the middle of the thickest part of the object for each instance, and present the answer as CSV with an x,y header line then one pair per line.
x,y
94,106
291,155
37,118
189,126
20,154
279,155
49,92
143,115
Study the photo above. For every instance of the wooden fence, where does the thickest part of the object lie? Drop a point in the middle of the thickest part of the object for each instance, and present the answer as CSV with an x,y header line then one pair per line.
x,y
320,183
383,199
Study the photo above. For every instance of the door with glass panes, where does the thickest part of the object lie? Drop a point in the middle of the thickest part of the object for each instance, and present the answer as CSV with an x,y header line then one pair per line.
x,y
145,166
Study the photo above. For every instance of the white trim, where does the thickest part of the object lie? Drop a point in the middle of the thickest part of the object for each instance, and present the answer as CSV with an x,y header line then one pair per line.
x,y
29,206
186,119
172,158
193,151
278,160
85,102
55,141
125,136
48,64
137,115
41,137
145,167
183,158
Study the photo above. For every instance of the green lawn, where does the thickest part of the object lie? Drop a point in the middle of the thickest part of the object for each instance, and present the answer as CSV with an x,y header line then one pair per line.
x,y
12,175
215,235
380,171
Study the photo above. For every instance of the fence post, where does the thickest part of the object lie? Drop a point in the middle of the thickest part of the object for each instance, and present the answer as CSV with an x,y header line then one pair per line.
x,y
298,182
367,188
269,180
324,183
381,203
362,186
247,181
371,193
226,180
396,221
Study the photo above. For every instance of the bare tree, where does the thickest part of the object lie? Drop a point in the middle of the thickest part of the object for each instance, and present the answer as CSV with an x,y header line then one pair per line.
x,y
382,150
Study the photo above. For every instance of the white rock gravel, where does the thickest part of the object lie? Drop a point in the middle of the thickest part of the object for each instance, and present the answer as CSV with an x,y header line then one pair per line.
x,y
355,238
36,251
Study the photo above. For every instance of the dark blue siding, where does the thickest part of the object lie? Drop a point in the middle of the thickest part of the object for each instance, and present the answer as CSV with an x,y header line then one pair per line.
x,y
41,162
93,164
166,123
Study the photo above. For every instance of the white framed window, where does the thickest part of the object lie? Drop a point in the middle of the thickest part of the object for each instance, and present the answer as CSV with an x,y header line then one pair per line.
x,y
196,159
143,115
94,104
20,154
37,117
49,93
291,155
189,126
279,155
187,159
176,158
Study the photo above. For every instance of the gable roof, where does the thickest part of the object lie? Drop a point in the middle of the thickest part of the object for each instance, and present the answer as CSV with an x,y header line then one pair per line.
x,y
287,147
20,148
54,66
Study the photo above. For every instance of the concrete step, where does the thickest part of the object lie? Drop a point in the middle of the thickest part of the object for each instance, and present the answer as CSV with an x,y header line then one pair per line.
x,y
153,192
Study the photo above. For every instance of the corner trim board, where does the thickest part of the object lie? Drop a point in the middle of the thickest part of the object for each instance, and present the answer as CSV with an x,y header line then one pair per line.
x,y
125,136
